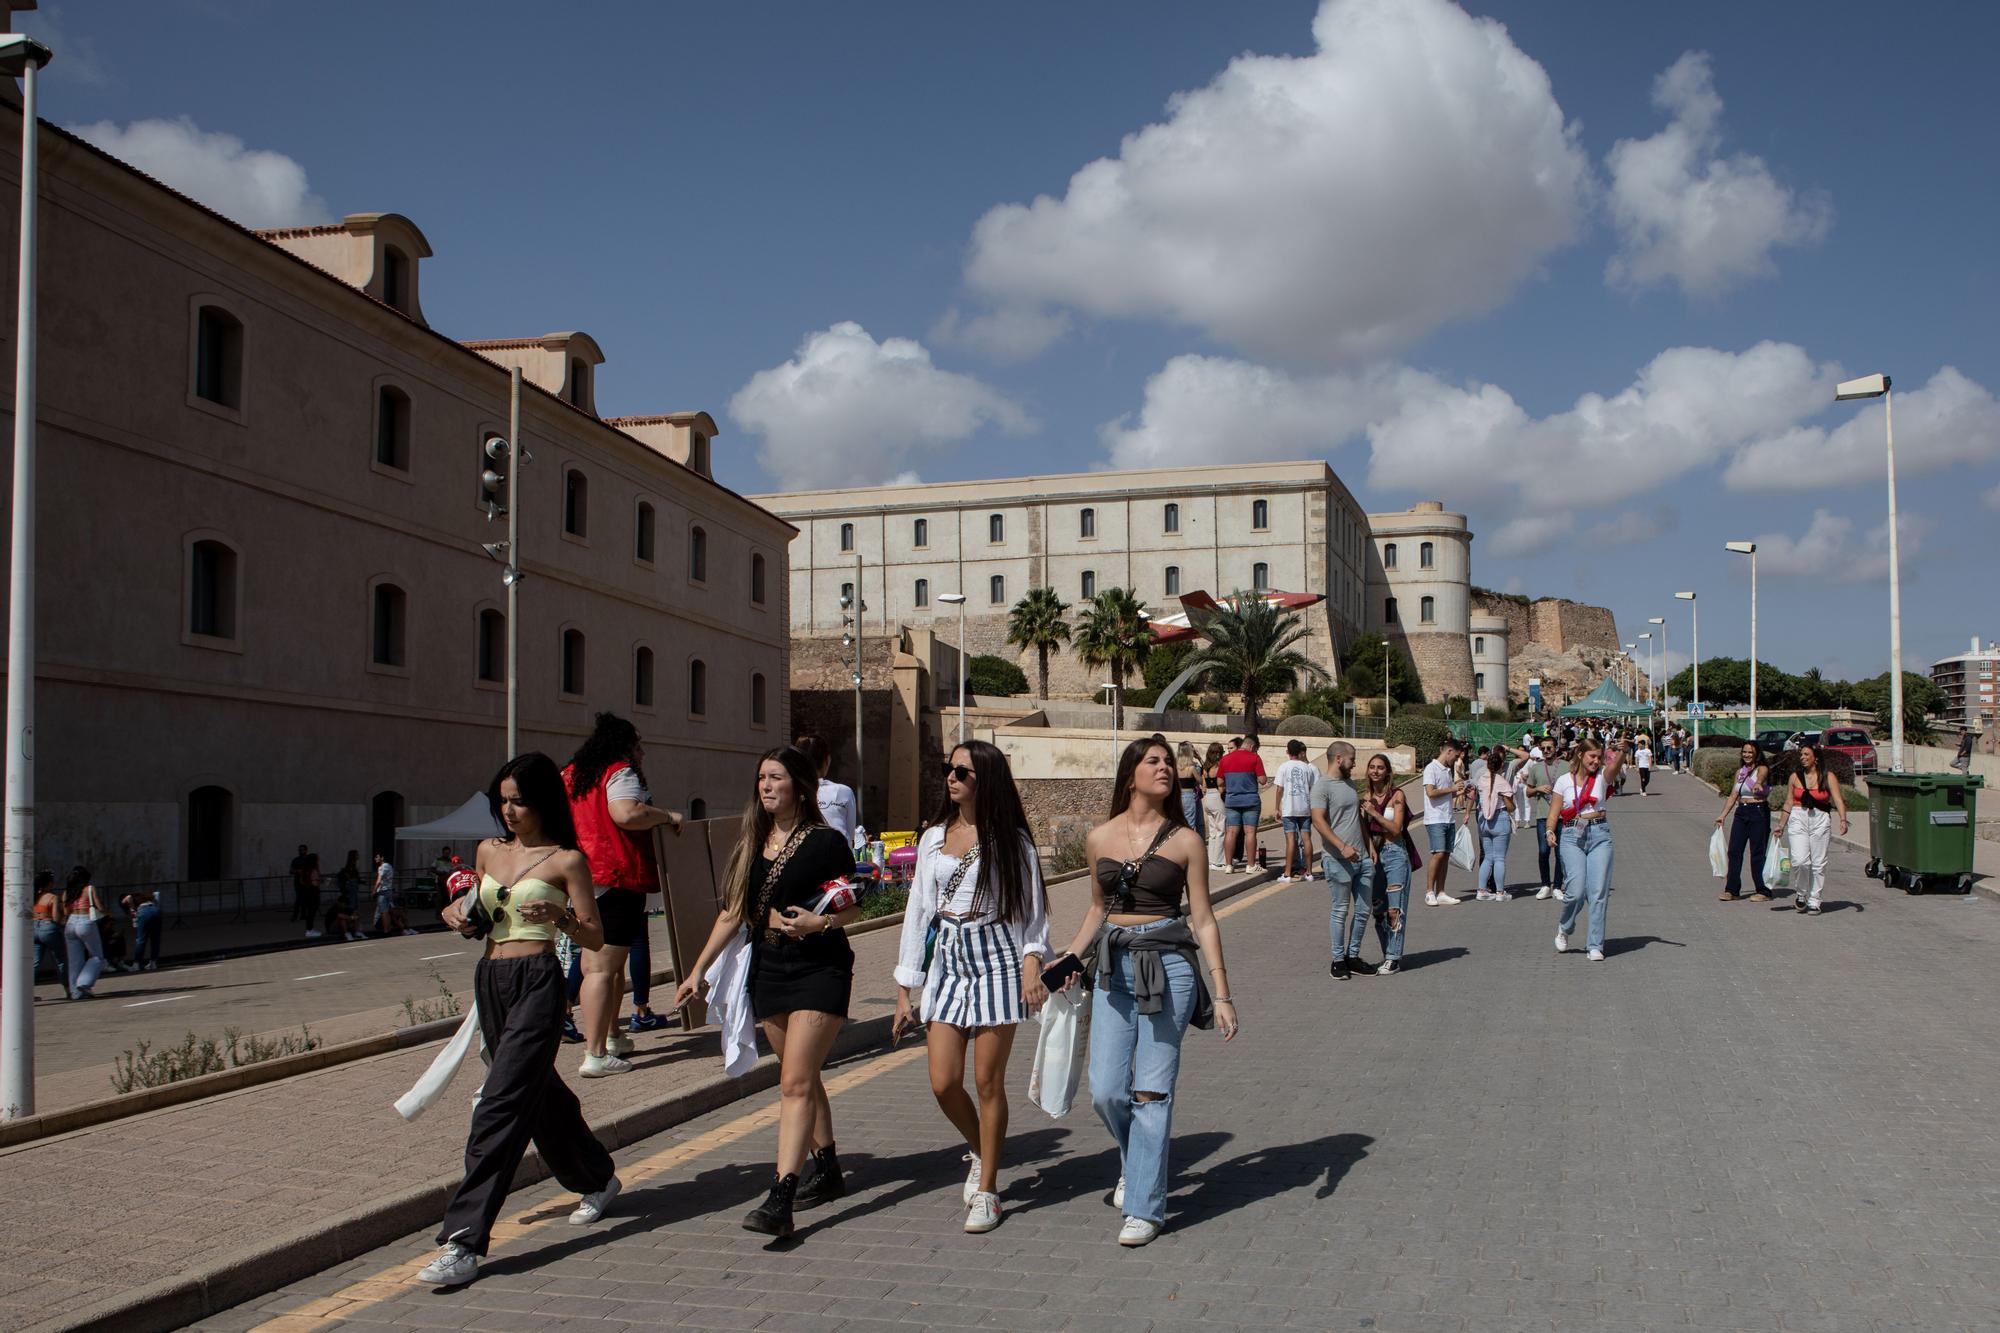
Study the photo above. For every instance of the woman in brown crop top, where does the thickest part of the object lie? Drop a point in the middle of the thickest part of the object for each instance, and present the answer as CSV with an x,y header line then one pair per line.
x,y
1148,953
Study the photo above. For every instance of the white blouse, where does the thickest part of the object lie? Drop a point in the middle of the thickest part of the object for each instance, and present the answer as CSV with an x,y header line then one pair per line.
x,y
934,871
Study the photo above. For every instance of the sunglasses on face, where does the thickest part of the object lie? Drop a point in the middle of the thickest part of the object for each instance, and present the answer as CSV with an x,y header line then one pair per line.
x,y
959,771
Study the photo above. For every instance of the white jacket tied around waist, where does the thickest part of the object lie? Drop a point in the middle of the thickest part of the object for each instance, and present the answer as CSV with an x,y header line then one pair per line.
x,y
979,886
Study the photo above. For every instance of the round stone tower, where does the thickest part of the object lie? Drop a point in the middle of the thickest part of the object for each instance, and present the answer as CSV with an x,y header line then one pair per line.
x,y
1420,594
1489,659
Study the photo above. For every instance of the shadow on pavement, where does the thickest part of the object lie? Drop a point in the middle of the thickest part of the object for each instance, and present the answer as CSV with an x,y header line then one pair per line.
x,y
1266,1173
640,1210
924,1173
1634,943
1428,957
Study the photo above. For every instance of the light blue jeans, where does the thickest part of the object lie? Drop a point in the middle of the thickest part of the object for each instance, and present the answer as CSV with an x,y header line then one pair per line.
x,y
146,934
1352,886
1494,835
86,953
1131,1052
1191,807
1392,898
1586,854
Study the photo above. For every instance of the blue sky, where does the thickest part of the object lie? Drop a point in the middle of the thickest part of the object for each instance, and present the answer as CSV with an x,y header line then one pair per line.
x,y
1584,271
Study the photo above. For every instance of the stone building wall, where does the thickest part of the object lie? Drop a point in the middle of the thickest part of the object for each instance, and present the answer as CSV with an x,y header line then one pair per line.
x,y
1063,809
1443,662
1558,623
1517,614
822,699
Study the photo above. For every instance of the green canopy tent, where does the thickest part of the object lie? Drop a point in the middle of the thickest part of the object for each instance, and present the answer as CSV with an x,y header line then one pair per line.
x,y
1607,700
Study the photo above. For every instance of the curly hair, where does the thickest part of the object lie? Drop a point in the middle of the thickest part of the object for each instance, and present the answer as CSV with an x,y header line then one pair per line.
x,y
611,741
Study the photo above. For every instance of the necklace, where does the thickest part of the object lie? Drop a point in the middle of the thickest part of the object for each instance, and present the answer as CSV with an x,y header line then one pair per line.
x,y
782,833
1133,839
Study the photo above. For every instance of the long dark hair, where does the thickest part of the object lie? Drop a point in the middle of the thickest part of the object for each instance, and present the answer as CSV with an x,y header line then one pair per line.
x,y
1121,786
1005,842
757,824
541,787
611,741
79,877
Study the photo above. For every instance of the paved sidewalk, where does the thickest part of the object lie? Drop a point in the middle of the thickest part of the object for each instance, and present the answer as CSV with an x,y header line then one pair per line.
x,y
1744,1119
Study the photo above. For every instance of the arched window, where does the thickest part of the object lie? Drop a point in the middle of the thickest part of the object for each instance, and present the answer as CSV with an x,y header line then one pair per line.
x,y
1260,577
847,536
573,663
1479,644
576,503
697,556
388,613
213,592
395,279
211,819
996,528
1260,514
757,706
392,428
1172,518
697,688
1389,555
923,597
1426,556
698,458
1086,523
218,357
1389,609
697,809
1427,610
385,814
642,677
492,645
1173,580
757,579
920,532
642,533
579,382
1479,682
996,589
1090,583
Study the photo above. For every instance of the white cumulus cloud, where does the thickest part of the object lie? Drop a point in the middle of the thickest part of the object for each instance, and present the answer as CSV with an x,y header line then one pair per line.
x,y
1011,333
1993,498
1687,215
253,186
848,410
1829,551
1951,421
1336,206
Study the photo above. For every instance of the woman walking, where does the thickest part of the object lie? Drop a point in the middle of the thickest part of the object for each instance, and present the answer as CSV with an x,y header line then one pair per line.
x,y
1188,777
84,943
347,889
1148,951
145,910
801,968
1212,809
1385,813
1749,798
979,881
49,927
1579,825
1495,794
1815,803
533,885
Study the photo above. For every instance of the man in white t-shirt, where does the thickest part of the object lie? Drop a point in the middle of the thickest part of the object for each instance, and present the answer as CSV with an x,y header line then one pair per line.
x,y
1642,759
1441,793
1295,784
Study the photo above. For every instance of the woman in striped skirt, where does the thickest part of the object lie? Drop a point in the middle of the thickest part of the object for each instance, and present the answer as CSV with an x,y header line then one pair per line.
x,y
974,935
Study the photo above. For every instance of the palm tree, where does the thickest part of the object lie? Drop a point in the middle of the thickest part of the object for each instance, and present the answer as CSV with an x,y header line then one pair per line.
x,y
1250,645
1038,621
1113,632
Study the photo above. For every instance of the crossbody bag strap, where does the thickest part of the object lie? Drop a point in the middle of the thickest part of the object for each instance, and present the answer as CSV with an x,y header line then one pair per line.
x,y
771,883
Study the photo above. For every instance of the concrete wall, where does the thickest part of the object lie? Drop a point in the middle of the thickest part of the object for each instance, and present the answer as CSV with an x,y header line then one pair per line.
x,y
1056,752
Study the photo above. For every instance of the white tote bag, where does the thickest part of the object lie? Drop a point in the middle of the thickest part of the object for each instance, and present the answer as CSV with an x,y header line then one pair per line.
x,y
1464,846
1060,1051
1718,853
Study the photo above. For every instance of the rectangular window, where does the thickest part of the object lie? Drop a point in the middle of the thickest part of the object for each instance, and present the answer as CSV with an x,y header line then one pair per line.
x,y
642,534
218,357
1173,580
1171,520
920,532
996,528
1086,523
996,590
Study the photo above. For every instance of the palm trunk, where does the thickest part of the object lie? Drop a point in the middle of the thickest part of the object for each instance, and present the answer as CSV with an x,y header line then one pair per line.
x,y
1250,702
1042,652
1118,704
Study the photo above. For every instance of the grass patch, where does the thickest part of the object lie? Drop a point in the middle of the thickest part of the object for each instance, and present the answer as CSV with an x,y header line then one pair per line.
x,y
144,1067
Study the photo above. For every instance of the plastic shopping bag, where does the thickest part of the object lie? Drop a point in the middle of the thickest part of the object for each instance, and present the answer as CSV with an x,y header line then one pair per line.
x,y
1777,865
1718,853
1464,846
1060,1051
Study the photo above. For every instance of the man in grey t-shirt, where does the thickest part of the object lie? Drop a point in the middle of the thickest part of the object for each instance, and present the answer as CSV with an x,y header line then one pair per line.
x,y
1350,871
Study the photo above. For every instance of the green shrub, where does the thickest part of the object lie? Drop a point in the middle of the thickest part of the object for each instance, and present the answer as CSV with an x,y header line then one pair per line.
x,y
1425,734
1857,801
1067,855
890,899
990,675
144,1067
1305,724
1326,702
1715,765
1142,696
1212,703
1838,767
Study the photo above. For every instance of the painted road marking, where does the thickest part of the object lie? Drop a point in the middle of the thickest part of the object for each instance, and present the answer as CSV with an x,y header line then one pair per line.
x,y
162,1000
396,1280
433,957
317,975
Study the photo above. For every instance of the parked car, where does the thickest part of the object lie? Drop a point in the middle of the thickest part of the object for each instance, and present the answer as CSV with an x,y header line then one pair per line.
x,y
1853,742
1773,742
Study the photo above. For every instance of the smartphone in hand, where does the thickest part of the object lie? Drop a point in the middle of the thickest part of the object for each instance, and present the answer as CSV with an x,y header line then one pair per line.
x,y
1059,973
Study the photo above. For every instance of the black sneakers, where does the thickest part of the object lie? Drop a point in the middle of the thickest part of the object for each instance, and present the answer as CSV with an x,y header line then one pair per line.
x,y
773,1217
826,1182
1339,970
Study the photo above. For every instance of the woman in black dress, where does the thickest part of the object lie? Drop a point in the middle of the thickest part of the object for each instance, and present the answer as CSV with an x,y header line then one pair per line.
x,y
801,968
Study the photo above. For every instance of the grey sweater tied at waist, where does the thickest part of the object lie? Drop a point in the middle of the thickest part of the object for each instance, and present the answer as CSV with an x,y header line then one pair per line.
x,y
1149,972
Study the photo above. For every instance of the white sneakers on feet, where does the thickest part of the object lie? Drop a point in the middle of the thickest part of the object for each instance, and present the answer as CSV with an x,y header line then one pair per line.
x,y
601,1066
312,934
1562,942
1543,893
1218,865
984,1213
1137,1231
593,1205
971,1178
1284,879
1595,955
1118,1195
619,1044
1441,899
454,1266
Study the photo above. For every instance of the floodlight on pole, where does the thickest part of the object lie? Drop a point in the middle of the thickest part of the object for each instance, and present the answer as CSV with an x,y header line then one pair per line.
x,y
1694,611
1877,386
1750,549
957,599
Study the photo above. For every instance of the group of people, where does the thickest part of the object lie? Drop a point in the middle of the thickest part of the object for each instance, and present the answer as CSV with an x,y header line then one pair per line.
x,y
1809,808
78,934
974,961
342,915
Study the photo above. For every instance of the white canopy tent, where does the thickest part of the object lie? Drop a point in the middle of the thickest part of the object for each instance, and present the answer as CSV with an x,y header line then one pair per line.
x,y
471,822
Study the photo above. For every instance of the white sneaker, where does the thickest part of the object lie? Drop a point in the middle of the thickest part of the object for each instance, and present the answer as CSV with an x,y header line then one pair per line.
x,y
1543,893
593,1205
985,1214
1118,1195
408,931
1562,942
1284,879
600,1066
1595,955
1137,1231
1218,865
312,934
972,1179
1443,900
454,1266
619,1044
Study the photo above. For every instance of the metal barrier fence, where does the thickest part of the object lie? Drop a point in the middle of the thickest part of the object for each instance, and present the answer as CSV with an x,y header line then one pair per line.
x,y
235,898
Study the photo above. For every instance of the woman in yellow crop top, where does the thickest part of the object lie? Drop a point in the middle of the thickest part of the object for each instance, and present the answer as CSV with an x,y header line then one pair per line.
x,y
533,883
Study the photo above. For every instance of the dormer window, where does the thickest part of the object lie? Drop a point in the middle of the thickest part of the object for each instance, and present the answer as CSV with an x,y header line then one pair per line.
x,y
395,278
579,383
698,453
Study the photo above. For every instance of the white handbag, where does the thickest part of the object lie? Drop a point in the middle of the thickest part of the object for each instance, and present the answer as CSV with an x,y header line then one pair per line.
x,y
1060,1050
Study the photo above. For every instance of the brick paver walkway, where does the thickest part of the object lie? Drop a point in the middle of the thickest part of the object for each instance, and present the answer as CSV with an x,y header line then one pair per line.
x,y
1743,1119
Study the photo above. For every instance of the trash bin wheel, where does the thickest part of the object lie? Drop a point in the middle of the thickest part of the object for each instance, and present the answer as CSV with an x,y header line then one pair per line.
x,y
1873,869
1965,882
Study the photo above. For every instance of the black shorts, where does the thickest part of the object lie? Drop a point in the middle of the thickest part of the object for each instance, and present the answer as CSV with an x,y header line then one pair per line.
x,y
623,913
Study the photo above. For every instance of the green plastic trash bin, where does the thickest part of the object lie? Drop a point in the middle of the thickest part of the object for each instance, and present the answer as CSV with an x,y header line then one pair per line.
x,y
1920,829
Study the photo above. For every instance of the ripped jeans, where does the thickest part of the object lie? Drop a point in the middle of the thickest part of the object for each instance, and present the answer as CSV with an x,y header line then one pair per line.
x,y
1130,1053
1392,898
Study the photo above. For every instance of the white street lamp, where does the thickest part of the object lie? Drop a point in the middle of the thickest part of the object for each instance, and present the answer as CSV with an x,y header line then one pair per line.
x,y
1666,664
22,57
1877,386
957,599
1647,639
1630,666
1694,611
1750,549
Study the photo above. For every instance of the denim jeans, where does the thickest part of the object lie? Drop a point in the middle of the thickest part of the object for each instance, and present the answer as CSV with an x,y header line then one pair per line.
x,y
1749,831
1494,834
1352,886
1191,807
1550,859
640,963
146,934
49,943
1392,898
86,953
1586,853
1131,1052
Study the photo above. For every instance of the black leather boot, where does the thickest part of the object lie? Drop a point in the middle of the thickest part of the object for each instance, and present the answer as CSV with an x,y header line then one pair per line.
x,y
773,1217
826,1183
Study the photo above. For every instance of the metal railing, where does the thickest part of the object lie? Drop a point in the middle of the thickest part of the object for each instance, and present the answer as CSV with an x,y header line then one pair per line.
x,y
233,899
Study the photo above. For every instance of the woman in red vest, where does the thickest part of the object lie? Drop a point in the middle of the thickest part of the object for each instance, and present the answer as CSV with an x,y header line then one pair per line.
x,y
615,819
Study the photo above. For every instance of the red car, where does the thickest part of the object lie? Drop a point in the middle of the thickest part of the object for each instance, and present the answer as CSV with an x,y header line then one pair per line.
x,y
1853,742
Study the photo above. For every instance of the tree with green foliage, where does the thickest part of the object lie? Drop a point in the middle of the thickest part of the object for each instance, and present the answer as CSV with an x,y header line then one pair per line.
x,y
1162,665
1328,703
1251,646
1426,735
1361,670
1039,621
991,675
1113,633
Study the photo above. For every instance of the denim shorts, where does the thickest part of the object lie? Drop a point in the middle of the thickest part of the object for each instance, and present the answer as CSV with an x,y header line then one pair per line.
x,y
1296,823
1440,836
1237,817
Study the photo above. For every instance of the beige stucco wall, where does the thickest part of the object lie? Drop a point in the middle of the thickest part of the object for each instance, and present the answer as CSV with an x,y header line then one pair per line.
x,y
1063,752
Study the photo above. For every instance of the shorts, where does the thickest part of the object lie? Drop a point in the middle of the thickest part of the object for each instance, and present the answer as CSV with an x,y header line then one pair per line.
x,y
1297,823
1237,817
623,912
1441,836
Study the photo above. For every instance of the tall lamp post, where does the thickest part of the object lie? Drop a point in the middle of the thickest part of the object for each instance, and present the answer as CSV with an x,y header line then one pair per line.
x,y
1694,611
1647,639
957,599
508,552
1666,664
1631,666
22,57
1877,386
1113,687
851,608
1750,549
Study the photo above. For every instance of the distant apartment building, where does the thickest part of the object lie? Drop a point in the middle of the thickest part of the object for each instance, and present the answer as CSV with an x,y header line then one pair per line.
x,y
265,614
1970,681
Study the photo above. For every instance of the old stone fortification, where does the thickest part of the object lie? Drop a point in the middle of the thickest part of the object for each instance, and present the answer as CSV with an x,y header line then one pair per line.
x,y
1562,643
